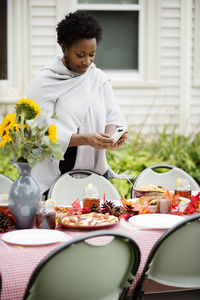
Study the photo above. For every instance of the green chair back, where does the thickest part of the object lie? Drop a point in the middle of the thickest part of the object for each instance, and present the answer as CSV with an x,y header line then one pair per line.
x,y
5,184
70,186
174,260
166,179
81,270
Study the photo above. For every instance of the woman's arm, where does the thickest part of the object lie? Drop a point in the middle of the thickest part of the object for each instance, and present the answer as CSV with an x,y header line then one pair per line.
x,y
98,140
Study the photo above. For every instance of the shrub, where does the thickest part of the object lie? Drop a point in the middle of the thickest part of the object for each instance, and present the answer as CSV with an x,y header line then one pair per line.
x,y
164,148
6,167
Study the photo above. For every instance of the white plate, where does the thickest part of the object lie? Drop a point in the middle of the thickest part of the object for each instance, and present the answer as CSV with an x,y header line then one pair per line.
x,y
155,221
32,237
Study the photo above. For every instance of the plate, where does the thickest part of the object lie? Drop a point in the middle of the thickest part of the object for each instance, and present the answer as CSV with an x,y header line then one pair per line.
x,y
91,221
182,205
155,221
30,237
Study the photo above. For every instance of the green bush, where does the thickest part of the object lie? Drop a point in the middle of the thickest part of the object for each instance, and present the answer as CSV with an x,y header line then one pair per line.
x,y
164,148
6,167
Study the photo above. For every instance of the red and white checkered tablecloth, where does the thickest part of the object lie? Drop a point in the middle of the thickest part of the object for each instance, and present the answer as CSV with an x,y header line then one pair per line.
x,y
18,263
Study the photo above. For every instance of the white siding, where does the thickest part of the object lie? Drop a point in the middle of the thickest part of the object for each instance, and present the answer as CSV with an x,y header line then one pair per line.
x,y
146,108
195,91
42,33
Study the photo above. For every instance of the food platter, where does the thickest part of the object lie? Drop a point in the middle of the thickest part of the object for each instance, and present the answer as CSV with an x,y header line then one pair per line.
x,y
182,203
91,221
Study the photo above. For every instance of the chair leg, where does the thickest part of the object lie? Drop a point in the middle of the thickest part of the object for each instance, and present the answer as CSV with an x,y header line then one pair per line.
x,y
138,295
141,295
123,294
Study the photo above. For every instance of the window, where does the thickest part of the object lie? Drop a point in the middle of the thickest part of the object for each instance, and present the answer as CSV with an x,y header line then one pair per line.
x,y
119,49
13,49
130,50
3,40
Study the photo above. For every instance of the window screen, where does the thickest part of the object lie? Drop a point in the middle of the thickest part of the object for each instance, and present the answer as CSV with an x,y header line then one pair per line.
x,y
3,39
119,48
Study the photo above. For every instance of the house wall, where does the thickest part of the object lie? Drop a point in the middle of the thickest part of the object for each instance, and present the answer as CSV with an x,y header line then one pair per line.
x,y
174,101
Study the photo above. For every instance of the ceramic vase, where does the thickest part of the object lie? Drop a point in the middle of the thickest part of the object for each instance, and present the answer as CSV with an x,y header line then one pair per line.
x,y
24,197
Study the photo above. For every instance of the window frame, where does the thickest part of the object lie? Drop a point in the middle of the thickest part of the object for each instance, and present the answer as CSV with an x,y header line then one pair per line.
x,y
13,87
116,75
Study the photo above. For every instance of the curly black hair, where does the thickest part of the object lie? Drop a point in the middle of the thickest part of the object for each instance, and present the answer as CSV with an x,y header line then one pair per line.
x,y
76,26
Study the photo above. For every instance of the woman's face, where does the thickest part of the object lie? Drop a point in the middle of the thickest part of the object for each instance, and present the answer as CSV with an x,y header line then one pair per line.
x,y
80,55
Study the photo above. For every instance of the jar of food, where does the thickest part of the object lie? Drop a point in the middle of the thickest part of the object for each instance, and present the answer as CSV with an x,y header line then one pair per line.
x,y
183,188
3,202
45,215
90,196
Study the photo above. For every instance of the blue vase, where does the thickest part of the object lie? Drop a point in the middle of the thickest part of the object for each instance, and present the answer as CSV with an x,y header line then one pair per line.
x,y
24,197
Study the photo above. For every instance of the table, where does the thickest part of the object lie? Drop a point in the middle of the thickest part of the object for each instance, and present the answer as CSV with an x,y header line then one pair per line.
x,y
17,263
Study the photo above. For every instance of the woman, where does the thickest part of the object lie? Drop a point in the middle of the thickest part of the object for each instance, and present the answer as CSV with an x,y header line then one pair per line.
x,y
82,98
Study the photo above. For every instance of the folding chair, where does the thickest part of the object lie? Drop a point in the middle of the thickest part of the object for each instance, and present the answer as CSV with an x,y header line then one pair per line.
x,y
167,179
70,186
5,184
79,269
174,260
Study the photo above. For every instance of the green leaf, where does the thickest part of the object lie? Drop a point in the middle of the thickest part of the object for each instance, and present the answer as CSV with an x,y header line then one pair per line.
x,y
58,155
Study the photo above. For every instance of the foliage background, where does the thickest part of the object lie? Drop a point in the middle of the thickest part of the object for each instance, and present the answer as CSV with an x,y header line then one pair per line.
x,y
141,152
162,148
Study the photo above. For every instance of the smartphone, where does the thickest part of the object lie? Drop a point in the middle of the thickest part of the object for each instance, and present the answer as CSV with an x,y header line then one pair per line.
x,y
118,133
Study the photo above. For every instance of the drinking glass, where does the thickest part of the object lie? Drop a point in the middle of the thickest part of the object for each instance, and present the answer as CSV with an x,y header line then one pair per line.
x,y
164,205
183,188
45,216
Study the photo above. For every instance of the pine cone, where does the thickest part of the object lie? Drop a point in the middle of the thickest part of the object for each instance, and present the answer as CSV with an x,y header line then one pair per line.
x,y
109,203
106,208
94,207
118,211
5,222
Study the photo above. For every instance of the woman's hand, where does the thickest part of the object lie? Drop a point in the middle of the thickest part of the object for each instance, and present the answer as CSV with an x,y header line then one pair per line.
x,y
100,140
120,142
97,140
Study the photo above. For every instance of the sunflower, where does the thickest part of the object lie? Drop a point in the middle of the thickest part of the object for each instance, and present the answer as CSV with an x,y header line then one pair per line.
x,y
52,133
7,124
18,126
27,109
21,135
5,138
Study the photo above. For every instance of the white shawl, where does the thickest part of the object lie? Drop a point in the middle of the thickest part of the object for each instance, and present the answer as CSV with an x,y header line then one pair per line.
x,y
85,103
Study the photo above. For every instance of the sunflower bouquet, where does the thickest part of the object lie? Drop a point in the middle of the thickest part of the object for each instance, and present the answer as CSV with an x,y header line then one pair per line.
x,y
27,141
